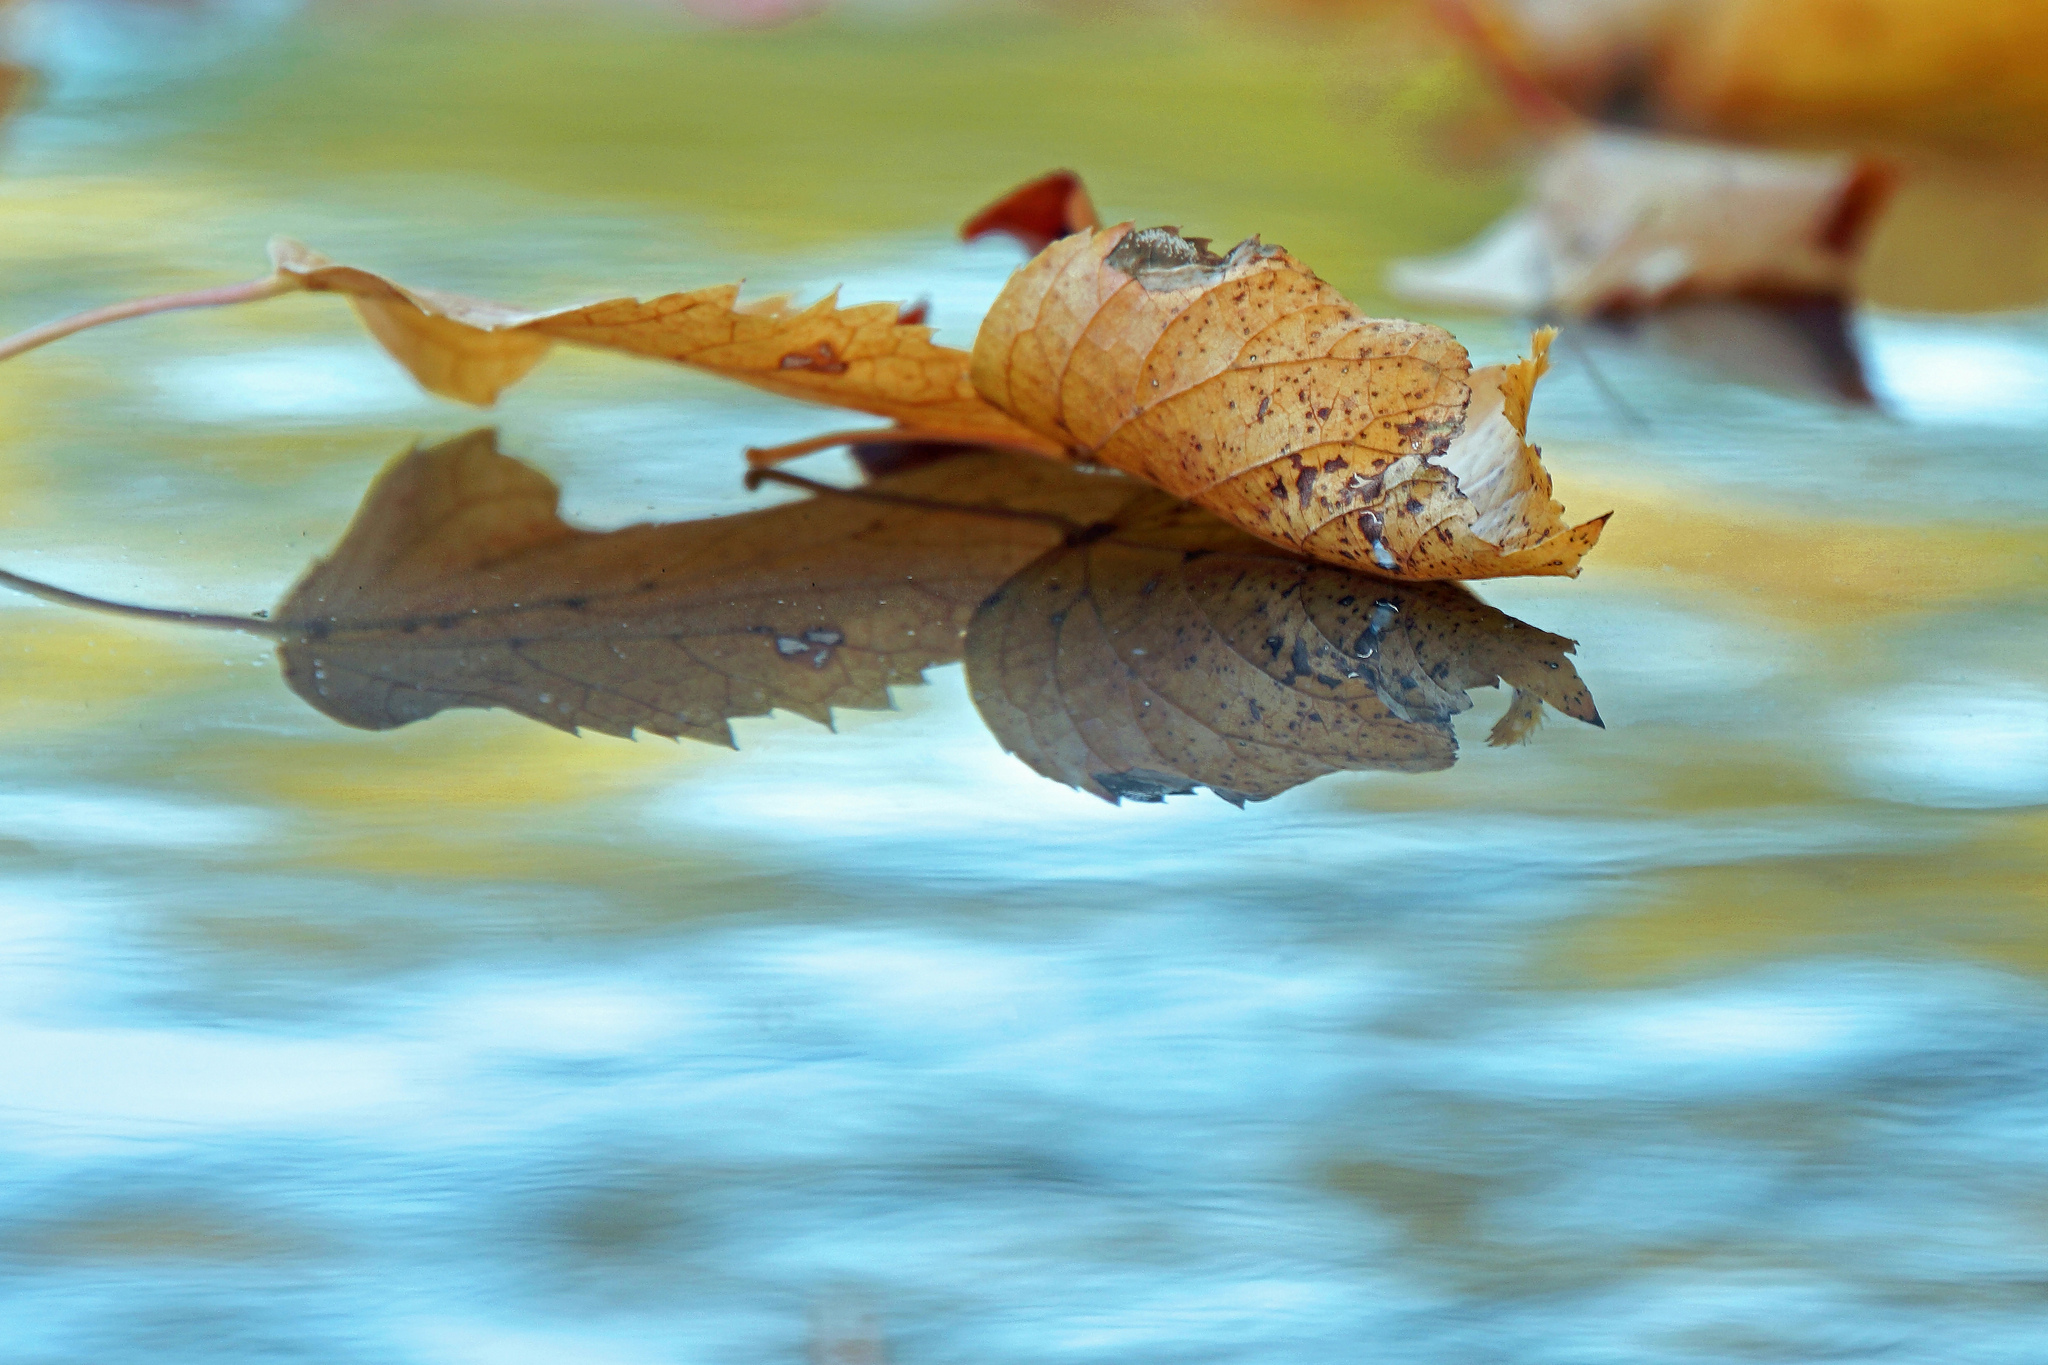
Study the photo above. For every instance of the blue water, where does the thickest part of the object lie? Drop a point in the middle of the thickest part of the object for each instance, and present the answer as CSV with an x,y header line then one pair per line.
x,y
1715,1035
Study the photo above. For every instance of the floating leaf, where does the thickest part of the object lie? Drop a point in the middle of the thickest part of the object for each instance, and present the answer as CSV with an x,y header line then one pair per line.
x,y
1618,222
871,357
864,357
1247,385
1242,382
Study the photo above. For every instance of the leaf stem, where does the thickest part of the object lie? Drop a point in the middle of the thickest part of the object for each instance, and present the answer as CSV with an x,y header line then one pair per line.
x,y
205,619
249,291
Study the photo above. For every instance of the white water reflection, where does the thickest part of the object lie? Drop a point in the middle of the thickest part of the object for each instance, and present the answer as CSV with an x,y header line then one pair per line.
x,y
336,383
78,818
1960,372
65,1087
1978,744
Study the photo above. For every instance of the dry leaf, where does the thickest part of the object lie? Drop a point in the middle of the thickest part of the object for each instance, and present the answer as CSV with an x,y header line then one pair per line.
x,y
864,357
1281,407
1247,385
1617,222
1036,214
458,585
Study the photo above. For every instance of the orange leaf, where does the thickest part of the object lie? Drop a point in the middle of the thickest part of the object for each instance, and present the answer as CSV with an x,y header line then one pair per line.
x,y
862,357
1247,385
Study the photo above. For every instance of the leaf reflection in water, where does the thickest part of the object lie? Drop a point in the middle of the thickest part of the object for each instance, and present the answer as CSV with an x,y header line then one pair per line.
x,y
1115,640
1802,345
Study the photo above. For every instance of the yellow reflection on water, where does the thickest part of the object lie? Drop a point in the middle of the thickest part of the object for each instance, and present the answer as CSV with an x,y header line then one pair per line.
x,y
1981,898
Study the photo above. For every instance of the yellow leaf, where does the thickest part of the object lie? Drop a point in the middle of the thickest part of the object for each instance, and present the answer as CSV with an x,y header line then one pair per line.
x,y
862,357
1921,67
458,347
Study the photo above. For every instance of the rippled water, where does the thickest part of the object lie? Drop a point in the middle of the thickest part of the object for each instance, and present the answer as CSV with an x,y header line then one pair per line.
x,y
1714,1035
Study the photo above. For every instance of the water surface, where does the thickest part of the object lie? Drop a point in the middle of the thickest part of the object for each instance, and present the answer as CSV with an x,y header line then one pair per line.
x,y
1712,1035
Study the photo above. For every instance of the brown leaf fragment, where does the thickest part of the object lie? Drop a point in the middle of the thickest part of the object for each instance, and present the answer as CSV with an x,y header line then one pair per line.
x,y
1173,652
866,357
1247,385
1617,222
458,585
1037,214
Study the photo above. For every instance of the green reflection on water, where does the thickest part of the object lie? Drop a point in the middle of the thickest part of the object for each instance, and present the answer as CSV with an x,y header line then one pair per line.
x,y
836,127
